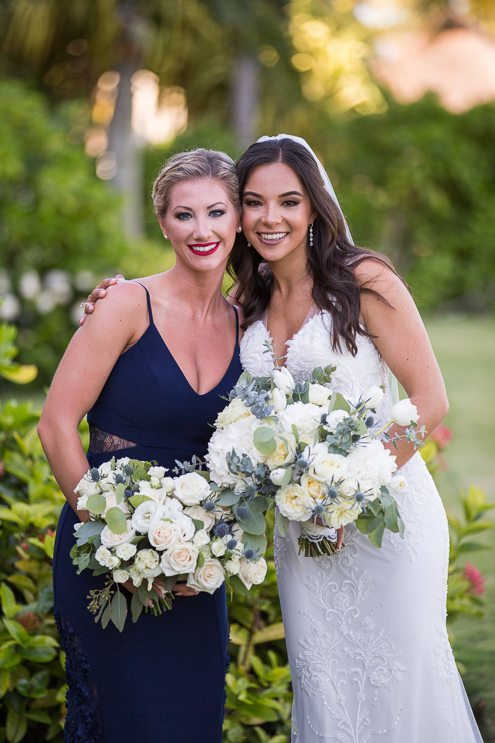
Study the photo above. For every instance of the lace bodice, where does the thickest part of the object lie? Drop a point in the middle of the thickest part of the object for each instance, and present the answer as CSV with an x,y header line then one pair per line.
x,y
310,347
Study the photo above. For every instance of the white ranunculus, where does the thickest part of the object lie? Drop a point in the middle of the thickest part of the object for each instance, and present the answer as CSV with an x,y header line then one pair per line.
x,y
164,534
279,400
283,379
144,515
126,551
82,503
277,475
252,572
342,513
218,548
87,487
404,412
201,538
179,559
304,416
284,453
232,567
398,484
157,472
319,395
334,418
234,411
120,576
207,578
373,397
110,539
199,514
191,488
294,502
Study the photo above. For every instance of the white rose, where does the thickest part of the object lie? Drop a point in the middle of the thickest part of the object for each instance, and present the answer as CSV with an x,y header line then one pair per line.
x,y
156,494
147,563
294,502
218,548
283,379
164,534
191,488
87,487
179,559
252,572
110,539
232,567
103,556
279,400
314,488
319,395
157,472
404,412
325,465
172,510
199,514
82,503
207,578
342,513
285,451
277,475
201,538
234,411
168,484
398,484
113,562
120,576
373,397
304,416
120,463
126,551
105,469
143,516
334,418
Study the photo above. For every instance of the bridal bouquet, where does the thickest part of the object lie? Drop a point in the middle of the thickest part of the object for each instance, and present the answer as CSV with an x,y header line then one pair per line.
x,y
310,452
144,527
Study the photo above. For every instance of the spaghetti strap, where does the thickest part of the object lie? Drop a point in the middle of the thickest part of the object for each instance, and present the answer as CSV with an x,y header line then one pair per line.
x,y
236,326
148,299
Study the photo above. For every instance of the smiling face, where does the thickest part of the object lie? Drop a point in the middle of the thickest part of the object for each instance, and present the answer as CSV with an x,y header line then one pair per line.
x,y
276,212
201,223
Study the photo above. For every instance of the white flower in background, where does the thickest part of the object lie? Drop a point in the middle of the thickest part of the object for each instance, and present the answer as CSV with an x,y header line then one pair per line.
x,y
232,567
164,534
285,451
404,412
277,475
5,283
319,395
29,284
207,578
199,514
305,416
234,411
201,538
58,283
45,302
294,502
191,488
334,418
373,397
110,539
283,379
398,484
84,280
126,551
10,307
143,516
279,400
179,559
252,572
238,436
120,576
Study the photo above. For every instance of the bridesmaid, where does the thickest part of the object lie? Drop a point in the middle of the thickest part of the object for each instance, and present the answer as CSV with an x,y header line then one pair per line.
x,y
149,369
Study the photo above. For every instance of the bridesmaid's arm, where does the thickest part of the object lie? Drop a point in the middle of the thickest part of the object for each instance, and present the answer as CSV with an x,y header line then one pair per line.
x,y
98,292
79,379
402,340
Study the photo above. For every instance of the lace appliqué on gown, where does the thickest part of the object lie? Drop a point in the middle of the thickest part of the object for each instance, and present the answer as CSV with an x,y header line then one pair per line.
x,y
82,724
103,441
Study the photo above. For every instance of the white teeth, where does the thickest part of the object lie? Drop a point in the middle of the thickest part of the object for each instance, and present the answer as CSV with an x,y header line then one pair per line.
x,y
205,249
273,235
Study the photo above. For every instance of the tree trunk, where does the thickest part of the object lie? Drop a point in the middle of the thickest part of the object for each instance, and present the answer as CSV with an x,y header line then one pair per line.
x,y
245,97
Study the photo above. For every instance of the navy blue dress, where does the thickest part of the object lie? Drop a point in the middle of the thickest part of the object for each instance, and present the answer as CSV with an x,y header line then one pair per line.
x,y
161,679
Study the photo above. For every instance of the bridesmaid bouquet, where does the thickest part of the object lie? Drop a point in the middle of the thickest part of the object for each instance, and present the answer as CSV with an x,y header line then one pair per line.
x,y
144,527
310,452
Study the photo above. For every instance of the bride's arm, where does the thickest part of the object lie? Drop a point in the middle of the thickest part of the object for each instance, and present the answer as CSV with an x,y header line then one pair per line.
x,y
79,379
402,340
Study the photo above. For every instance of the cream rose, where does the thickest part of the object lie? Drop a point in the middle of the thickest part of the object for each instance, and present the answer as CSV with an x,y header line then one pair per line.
x,y
294,502
314,488
201,538
234,411
126,551
319,395
218,548
191,489
342,513
207,578
110,539
284,453
252,572
164,534
199,514
325,465
181,558
120,576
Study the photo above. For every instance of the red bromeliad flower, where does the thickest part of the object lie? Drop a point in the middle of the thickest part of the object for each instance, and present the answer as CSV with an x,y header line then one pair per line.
x,y
474,578
441,436
29,621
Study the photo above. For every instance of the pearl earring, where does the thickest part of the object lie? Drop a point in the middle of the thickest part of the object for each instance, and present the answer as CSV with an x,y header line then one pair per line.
x,y
165,236
311,235
239,229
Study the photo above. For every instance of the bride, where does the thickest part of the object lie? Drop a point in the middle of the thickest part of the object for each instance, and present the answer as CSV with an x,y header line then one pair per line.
x,y
365,628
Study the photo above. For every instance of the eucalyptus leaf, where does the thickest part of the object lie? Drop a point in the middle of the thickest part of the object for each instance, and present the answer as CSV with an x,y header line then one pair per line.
x,y
118,610
259,503
253,522
136,500
227,498
105,617
256,542
283,524
120,492
136,606
97,504
287,477
88,529
116,520
198,524
264,440
238,585
339,403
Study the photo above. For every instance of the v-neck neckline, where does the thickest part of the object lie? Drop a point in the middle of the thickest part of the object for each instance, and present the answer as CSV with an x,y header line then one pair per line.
x,y
312,313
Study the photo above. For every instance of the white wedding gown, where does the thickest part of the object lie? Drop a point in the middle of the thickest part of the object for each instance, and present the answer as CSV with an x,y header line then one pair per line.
x,y
365,629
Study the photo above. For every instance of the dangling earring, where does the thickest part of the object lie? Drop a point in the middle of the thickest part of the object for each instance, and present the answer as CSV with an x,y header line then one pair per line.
x,y
239,229
248,244
311,235
165,236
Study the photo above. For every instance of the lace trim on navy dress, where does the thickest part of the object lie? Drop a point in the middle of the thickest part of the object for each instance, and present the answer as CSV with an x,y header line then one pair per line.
x,y
82,724
103,441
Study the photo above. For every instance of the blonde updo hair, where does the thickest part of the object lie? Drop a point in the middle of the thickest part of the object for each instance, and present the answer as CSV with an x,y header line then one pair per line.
x,y
192,166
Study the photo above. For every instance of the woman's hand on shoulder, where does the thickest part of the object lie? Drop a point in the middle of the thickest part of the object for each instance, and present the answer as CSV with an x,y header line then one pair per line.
x,y
99,292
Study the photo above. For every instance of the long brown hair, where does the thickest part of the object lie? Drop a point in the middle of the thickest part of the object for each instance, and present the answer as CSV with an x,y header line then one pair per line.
x,y
331,260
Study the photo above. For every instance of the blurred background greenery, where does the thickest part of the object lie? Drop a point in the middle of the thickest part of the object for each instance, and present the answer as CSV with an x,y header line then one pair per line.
x,y
396,97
